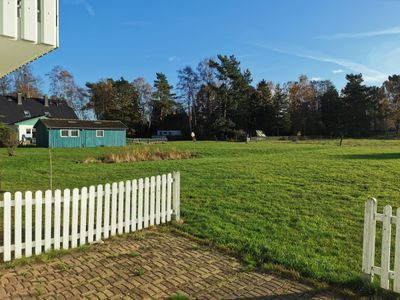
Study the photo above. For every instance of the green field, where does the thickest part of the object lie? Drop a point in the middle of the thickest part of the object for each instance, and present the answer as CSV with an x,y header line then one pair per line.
x,y
299,205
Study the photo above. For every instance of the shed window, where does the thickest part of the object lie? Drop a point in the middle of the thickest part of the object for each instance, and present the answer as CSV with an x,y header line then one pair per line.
x,y
27,113
28,131
100,133
64,133
74,133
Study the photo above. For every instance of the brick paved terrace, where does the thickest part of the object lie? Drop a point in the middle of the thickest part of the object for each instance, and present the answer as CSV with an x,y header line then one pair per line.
x,y
154,264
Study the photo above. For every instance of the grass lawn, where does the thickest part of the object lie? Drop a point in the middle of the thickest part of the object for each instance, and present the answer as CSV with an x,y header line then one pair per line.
x,y
299,205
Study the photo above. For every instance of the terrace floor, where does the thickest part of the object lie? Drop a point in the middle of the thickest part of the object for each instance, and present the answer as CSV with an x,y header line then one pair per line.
x,y
154,264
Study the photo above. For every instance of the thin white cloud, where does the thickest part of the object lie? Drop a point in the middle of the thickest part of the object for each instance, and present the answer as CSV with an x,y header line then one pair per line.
x,y
316,79
369,74
359,35
338,71
90,9
173,58
85,3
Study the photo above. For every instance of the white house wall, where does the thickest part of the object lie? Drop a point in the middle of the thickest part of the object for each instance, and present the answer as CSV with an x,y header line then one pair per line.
x,y
29,27
22,132
49,17
26,32
9,18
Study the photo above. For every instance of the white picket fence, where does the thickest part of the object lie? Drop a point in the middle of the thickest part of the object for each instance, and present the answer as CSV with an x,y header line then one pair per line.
x,y
368,267
68,220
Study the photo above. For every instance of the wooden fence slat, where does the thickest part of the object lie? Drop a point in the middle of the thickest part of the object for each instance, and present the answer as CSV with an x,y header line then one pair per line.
x,y
66,217
38,222
128,206
83,212
146,202
128,187
386,236
177,195
107,196
48,220
7,227
75,218
114,209
163,198
99,212
92,195
57,219
134,205
169,196
158,200
396,283
121,197
18,225
140,205
369,239
152,199
28,224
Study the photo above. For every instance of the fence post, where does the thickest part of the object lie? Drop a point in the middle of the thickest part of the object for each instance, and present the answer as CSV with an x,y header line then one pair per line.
x,y
7,227
56,225
386,242
396,283
369,239
176,196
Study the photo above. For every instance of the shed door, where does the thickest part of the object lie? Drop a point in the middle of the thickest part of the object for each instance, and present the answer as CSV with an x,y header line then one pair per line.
x,y
86,138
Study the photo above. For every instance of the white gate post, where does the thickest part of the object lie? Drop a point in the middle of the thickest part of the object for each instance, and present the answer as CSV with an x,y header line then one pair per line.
x,y
369,239
177,195
7,227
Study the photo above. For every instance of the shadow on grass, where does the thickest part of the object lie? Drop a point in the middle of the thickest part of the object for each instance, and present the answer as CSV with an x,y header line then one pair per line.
x,y
280,296
373,156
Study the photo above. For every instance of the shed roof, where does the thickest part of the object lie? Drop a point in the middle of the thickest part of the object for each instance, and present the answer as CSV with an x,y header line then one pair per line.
x,y
82,124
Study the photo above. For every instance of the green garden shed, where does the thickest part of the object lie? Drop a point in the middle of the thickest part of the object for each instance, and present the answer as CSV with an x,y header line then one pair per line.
x,y
59,133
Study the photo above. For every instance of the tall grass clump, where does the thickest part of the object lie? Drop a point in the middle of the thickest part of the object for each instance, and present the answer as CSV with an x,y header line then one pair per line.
x,y
140,155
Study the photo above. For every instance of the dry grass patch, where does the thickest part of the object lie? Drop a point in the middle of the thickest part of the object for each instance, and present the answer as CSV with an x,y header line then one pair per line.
x,y
140,155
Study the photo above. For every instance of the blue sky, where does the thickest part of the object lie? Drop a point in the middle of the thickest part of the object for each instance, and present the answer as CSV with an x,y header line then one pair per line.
x,y
276,39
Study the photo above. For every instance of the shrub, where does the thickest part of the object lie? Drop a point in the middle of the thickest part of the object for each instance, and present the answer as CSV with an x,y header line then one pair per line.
x,y
9,138
140,155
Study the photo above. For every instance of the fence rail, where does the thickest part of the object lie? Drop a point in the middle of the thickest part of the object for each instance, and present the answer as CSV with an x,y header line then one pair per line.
x,y
36,223
387,275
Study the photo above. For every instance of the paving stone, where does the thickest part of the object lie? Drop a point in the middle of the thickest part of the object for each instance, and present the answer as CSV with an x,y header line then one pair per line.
x,y
172,264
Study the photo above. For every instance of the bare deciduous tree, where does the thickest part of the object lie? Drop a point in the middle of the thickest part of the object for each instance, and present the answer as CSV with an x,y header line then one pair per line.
x,y
63,87
5,85
144,90
26,82
188,87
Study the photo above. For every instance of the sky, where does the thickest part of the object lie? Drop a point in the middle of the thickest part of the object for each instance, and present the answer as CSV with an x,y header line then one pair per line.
x,y
276,39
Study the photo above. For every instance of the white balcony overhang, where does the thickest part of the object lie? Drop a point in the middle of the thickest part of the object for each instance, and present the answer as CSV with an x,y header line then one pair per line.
x,y
28,30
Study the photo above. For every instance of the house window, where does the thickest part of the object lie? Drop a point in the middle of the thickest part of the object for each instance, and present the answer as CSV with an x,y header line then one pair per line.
x,y
100,133
29,131
64,133
74,133
27,113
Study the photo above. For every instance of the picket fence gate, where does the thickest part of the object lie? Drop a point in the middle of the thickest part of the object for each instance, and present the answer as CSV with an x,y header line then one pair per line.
x,y
384,271
67,220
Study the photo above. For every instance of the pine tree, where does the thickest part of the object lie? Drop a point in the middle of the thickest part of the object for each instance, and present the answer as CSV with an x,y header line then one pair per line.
x,y
163,100
281,116
262,108
357,122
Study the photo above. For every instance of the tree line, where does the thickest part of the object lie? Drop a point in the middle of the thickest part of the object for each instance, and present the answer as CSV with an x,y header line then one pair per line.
x,y
218,100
